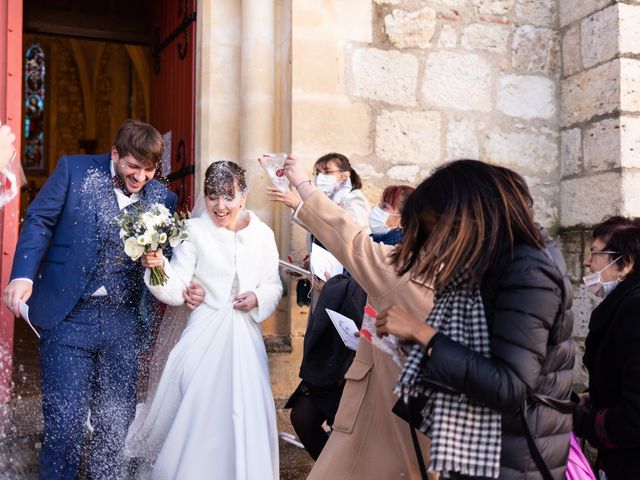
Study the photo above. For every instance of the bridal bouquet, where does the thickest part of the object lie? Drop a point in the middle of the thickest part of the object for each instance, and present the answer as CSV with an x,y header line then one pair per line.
x,y
145,231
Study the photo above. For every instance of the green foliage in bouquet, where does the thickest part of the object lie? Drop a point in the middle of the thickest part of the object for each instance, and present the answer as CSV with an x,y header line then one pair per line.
x,y
143,231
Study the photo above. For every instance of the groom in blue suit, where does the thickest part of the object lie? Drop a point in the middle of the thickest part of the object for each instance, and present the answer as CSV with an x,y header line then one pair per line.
x,y
84,296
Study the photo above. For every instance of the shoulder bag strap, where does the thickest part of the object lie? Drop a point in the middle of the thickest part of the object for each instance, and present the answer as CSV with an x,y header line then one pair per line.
x,y
416,447
533,448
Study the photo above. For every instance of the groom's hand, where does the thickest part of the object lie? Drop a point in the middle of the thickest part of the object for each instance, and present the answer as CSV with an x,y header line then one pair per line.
x,y
193,295
17,290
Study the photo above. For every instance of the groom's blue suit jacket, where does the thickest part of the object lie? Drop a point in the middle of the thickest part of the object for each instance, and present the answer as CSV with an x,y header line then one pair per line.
x,y
60,239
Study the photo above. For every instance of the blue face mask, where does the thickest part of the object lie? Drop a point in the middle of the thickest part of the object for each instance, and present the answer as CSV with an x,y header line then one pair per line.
x,y
594,283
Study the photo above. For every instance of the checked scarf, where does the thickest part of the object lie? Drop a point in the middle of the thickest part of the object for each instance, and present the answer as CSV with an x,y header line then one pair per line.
x,y
465,435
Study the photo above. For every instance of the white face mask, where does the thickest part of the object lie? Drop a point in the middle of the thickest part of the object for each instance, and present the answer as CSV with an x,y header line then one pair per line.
x,y
594,283
378,220
326,183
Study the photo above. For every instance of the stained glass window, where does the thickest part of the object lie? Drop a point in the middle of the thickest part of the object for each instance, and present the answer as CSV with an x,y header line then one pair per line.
x,y
34,72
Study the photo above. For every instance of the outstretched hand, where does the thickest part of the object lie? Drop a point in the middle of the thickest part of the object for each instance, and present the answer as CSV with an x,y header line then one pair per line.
x,y
7,148
294,171
287,197
245,302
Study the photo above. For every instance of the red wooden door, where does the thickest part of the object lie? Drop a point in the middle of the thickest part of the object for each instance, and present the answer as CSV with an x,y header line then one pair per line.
x,y
173,89
10,113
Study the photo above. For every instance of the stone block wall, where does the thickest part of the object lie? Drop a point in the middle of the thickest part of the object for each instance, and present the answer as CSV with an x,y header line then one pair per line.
x,y
599,130
460,78
326,114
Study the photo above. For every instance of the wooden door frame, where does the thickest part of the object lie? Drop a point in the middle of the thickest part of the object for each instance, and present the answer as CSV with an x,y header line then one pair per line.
x,y
11,112
174,45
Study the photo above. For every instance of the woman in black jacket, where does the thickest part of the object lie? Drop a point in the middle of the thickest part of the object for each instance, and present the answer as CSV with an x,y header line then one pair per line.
x,y
609,414
469,228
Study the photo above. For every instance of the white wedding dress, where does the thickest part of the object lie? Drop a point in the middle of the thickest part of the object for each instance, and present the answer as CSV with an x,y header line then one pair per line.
x,y
213,414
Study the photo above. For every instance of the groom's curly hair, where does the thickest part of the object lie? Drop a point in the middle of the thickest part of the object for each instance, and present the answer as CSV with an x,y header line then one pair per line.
x,y
223,177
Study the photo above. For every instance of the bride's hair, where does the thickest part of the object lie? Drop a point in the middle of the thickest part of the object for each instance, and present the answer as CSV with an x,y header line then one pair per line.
x,y
221,179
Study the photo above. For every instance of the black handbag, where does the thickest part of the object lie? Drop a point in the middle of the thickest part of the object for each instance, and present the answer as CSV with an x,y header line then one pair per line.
x,y
303,292
410,411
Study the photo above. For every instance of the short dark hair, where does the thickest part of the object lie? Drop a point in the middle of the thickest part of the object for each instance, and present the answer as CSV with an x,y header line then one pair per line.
x,y
622,235
221,178
396,195
140,140
343,164
463,219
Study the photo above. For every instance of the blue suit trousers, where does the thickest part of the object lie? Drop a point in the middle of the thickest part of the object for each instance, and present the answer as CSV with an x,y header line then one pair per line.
x,y
89,362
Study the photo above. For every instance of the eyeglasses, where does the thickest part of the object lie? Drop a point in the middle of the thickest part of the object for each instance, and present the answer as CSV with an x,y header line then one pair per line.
x,y
593,252
327,172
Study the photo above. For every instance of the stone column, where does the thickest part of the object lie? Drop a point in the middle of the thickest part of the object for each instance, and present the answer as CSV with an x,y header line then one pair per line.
x,y
257,97
236,97
235,89
217,83
600,130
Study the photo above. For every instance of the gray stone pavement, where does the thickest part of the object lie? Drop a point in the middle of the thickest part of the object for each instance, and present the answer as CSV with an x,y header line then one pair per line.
x,y
20,445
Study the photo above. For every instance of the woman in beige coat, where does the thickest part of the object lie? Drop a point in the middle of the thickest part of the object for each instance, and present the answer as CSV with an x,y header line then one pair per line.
x,y
368,441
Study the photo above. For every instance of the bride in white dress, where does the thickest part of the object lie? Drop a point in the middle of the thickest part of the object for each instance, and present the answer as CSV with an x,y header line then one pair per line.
x,y
213,414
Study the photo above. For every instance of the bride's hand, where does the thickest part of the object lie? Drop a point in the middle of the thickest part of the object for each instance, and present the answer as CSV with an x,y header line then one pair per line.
x,y
153,259
289,198
245,302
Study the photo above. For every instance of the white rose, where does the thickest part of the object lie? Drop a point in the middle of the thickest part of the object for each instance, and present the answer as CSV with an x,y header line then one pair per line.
x,y
146,238
133,249
164,211
149,221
